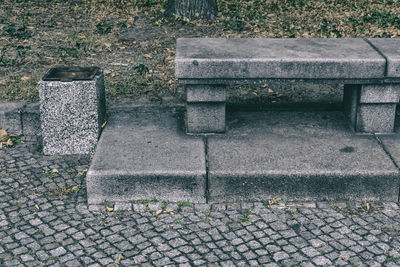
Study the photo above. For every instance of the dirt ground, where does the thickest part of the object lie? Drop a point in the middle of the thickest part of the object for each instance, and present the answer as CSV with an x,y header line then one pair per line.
x,y
135,44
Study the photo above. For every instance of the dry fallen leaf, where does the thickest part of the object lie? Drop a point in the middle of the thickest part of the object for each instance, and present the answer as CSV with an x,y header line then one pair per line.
x,y
3,134
158,212
168,211
25,78
270,90
119,258
272,202
37,206
82,173
76,188
54,171
9,142
110,208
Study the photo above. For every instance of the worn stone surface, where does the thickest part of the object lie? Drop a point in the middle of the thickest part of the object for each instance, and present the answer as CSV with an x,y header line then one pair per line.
x,y
390,48
371,108
198,58
71,115
205,93
10,117
351,96
392,144
375,118
380,93
297,156
208,117
144,154
30,119
44,221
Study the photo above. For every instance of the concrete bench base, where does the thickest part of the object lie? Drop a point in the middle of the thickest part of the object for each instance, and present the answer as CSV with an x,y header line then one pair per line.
x,y
205,108
370,108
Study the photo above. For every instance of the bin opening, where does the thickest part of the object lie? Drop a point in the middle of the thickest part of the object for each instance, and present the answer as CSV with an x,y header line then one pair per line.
x,y
71,73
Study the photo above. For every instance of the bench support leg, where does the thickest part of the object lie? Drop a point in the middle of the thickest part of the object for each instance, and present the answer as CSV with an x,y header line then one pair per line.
x,y
205,108
371,108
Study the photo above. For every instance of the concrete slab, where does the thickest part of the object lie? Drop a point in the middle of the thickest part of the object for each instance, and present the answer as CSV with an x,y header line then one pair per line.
x,y
143,154
297,156
10,116
392,146
390,48
30,118
392,142
201,58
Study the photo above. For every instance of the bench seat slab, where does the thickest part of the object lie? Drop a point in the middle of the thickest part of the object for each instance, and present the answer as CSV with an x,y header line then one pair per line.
x,y
252,58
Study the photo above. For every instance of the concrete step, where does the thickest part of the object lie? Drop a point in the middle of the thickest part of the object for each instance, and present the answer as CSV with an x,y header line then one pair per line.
x,y
298,156
309,155
144,154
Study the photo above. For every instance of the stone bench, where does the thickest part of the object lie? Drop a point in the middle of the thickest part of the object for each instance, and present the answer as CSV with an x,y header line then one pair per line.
x,y
368,68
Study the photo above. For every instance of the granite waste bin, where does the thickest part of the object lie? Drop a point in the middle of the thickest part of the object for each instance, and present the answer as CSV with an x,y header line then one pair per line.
x,y
72,109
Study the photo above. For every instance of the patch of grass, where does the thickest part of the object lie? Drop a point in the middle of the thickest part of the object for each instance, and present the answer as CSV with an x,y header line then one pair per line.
x,y
391,259
76,33
382,18
282,220
18,89
49,174
245,218
163,205
141,69
103,28
68,52
17,32
184,204
291,212
228,225
15,139
179,222
147,201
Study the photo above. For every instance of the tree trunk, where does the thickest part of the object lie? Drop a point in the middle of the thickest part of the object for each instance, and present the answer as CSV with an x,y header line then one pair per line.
x,y
193,9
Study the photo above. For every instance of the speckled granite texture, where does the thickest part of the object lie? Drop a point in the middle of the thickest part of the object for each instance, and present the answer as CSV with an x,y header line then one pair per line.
x,y
71,115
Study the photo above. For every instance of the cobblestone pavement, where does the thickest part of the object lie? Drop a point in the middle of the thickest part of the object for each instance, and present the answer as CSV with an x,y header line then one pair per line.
x,y
44,220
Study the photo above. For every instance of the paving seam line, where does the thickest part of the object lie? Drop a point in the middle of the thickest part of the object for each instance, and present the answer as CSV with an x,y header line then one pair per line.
x,y
386,151
389,155
205,140
20,112
380,53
